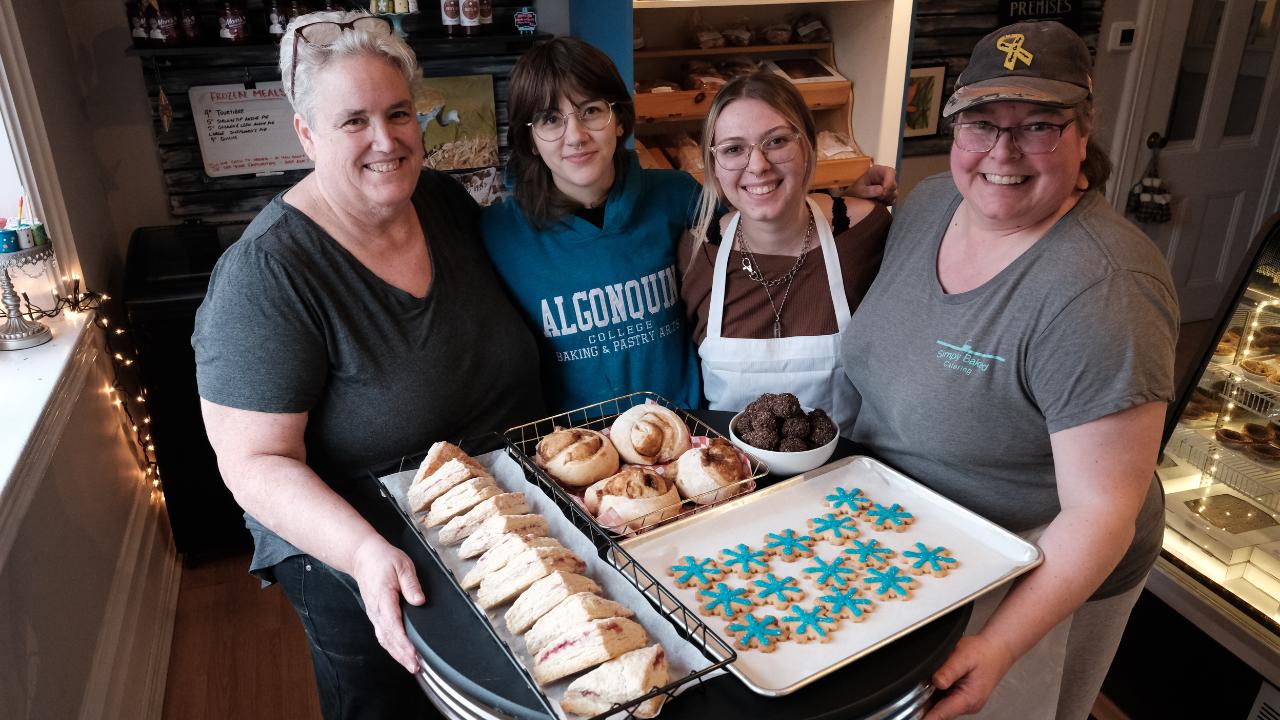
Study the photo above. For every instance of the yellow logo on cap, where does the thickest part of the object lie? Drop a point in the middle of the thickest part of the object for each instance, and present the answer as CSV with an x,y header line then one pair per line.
x,y
1011,45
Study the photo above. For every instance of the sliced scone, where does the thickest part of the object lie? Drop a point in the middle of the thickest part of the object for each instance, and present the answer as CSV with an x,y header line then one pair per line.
x,y
587,645
573,610
497,556
492,530
461,499
441,453
448,476
544,595
524,570
620,680
463,525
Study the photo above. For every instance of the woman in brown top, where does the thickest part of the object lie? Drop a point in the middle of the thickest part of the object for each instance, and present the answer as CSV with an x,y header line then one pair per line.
x,y
768,305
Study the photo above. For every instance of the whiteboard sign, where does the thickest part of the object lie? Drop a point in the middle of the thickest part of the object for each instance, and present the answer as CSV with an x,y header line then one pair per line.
x,y
242,132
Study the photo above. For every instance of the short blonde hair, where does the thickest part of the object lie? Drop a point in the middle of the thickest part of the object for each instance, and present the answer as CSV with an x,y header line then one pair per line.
x,y
299,82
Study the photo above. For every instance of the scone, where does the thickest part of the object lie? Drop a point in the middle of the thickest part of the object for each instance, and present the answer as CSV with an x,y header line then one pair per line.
x,y
587,645
649,434
494,558
463,525
544,595
492,530
620,680
573,610
441,453
702,471
450,474
636,497
461,499
577,456
524,570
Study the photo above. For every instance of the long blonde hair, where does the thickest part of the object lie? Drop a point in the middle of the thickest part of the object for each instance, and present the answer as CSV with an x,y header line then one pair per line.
x,y
776,92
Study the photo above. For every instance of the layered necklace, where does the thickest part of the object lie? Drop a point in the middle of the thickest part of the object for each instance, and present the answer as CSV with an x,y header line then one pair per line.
x,y
751,267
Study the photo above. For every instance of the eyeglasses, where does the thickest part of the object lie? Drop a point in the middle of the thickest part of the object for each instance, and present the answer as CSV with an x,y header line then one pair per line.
x,y
324,33
550,125
1036,138
777,149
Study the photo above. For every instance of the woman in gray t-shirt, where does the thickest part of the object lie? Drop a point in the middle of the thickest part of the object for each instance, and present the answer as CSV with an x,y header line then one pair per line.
x,y
1016,354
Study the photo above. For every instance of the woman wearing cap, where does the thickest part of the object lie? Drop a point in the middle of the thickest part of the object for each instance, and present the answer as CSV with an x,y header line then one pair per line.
x,y
351,302
1016,355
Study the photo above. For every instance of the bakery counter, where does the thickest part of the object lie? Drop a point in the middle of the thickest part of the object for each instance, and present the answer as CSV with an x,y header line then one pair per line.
x,y
467,677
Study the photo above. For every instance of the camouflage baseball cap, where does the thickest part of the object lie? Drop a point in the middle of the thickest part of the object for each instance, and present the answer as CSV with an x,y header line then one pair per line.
x,y
1044,63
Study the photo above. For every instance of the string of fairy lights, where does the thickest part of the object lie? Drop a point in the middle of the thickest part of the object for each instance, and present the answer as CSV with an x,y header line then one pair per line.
x,y
126,390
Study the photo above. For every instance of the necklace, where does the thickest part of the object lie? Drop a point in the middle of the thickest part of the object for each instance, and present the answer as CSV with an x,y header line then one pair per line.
x,y
751,267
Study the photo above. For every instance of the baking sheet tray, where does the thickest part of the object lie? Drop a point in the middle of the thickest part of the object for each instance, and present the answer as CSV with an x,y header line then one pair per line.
x,y
683,657
988,556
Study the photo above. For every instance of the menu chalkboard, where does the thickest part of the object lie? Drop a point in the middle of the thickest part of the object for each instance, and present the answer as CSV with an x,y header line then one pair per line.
x,y
245,131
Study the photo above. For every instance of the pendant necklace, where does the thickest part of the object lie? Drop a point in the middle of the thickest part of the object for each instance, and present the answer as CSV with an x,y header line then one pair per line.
x,y
751,267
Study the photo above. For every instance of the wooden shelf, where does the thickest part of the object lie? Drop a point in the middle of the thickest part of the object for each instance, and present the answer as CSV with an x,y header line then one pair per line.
x,y
693,104
427,47
731,50
829,173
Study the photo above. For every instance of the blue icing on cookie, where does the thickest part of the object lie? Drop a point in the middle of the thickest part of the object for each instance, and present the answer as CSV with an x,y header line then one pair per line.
x,y
774,585
744,557
725,597
788,543
765,631
690,569
934,557
830,572
869,553
841,600
806,620
890,580
881,515
852,501
840,526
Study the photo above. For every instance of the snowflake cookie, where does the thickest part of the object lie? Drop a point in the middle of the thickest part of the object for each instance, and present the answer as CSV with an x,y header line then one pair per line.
x,y
847,603
889,518
922,559
889,583
788,546
761,633
812,624
870,554
727,602
830,574
692,572
848,502
835,529
780,591
744,561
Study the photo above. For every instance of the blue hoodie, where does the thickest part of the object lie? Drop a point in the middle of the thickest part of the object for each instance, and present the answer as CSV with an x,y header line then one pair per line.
x,y
603,302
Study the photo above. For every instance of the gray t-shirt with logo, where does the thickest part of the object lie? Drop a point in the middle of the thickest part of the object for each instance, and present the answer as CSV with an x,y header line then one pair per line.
x,y
961,391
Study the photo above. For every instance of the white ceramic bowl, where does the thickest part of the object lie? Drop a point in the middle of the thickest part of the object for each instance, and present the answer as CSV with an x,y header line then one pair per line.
x,y
786,464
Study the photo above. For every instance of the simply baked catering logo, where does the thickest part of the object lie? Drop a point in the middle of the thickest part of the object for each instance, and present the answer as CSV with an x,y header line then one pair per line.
x,y
613,318
964,359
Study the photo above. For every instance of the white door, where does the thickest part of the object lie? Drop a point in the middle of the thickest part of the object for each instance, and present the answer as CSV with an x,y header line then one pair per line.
x,y
1212,77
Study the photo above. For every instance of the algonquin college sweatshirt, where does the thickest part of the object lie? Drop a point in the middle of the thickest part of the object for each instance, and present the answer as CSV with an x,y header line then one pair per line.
x,y
603,301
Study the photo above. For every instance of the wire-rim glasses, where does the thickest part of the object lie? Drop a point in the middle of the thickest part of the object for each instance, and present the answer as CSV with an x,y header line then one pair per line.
x,y
323,33
777,149
1037,138
550,125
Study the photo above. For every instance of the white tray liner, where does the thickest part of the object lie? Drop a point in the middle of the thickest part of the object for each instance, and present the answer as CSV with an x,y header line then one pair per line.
x,y
682,656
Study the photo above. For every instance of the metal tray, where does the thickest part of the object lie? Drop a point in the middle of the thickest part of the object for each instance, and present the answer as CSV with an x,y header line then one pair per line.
x,y
988,555
524,439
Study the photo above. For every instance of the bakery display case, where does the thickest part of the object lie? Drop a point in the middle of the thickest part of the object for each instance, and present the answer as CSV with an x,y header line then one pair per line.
x,y
1221,471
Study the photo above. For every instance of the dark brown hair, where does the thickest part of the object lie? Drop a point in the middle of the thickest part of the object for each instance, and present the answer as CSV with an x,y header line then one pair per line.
x,y
561,67
1096,166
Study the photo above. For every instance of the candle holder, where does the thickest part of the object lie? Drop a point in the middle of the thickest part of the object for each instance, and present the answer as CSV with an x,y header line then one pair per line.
x,y
17,332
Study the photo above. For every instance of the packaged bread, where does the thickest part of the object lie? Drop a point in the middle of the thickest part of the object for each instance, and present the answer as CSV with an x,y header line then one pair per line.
x,y
834,145
738,32
620,680
577,457
737,65
702,75
704,35
657,86
587,645
811,28
776,34
544,595
686,153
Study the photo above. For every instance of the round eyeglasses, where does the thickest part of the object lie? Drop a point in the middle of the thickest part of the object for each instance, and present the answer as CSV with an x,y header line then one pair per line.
x,y
550,125
777,149
323,33
1038,138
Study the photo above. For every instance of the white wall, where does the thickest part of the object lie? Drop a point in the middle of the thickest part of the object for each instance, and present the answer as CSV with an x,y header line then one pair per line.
x,y
10,183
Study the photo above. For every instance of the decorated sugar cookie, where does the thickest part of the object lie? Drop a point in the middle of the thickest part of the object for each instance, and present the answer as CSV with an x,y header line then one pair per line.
x,y
830,574
744,561
847,603
762,633
835,529
788,546
870,553
780,591
812,624
923,559
889,583
692,572
848,502
727,602
889,518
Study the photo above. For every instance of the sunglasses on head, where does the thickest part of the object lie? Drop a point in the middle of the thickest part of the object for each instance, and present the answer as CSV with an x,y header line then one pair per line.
x,y
323,33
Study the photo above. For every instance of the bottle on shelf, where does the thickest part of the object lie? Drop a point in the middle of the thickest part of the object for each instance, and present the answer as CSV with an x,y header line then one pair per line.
x,y
162,25
450,17
470,17
486,16
276,20
233,27
296,8
189,24
137,23
382,7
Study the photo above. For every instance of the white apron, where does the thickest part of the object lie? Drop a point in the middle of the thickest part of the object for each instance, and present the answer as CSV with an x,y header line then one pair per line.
x,y
736,371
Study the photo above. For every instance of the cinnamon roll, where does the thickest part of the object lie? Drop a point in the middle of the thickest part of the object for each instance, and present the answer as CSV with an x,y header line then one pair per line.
x,y
636,497
701,471
577,456
649,434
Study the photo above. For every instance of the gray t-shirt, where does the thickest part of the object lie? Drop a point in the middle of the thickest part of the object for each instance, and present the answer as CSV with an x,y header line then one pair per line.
x,y
962,391
293,322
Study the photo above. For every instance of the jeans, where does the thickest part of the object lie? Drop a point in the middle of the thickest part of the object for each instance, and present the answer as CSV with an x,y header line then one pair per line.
x,y
356,678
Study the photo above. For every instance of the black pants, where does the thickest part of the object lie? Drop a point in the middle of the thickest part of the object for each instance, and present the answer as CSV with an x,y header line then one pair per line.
x,y
356,678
